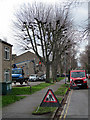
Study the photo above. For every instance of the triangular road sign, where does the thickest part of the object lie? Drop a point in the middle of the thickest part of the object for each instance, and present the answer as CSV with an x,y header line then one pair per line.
x,y
50,100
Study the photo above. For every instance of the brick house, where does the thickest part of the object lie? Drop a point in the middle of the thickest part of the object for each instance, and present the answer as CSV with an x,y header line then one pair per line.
x,y
21,61
5,63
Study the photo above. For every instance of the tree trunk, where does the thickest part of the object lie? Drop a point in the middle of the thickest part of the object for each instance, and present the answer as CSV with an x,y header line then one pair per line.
x,y
47,73
54,71
61,68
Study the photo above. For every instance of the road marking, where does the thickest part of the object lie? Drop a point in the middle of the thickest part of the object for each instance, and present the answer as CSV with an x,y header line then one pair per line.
x,y
66,106
63,111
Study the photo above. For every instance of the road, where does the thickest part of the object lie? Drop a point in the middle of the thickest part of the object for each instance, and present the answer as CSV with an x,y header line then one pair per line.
x,y
25,84
76,105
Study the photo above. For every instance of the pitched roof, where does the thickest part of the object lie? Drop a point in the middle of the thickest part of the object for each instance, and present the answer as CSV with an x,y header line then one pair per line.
x,y
27,52
5,42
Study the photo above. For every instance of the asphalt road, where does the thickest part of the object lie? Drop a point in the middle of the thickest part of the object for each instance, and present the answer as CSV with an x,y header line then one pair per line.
x,y
77,105
25,84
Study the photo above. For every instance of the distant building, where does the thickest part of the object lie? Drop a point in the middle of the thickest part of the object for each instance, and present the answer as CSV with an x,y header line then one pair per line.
x,y
5,63
25,60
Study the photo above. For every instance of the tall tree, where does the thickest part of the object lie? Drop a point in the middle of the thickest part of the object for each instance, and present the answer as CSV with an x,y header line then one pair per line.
x,y
84,59
44,30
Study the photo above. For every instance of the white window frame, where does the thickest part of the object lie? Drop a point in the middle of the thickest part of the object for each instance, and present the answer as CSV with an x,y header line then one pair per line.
x,y
6,75
7,53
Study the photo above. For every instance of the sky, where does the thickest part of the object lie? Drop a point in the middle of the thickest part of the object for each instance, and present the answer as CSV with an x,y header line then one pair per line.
x,y
8,7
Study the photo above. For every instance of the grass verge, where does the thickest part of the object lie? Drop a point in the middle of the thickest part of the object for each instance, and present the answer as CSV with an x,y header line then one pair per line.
x,y
26,90
59,93
43,110
8,99
62,90
60,78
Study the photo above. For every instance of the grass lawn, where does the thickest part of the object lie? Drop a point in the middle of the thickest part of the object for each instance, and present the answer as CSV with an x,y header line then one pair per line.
x,y
60,92
60,78
11,98
8,99
26,90
43,110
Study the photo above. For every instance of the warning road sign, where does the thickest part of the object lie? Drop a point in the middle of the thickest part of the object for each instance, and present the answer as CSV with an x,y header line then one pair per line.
x,y
50,100
50,97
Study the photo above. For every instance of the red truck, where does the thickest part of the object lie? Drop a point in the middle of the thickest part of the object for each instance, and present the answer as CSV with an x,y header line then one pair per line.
x,y
78,79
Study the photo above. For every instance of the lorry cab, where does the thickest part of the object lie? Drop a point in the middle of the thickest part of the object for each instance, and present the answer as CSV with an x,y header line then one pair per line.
x,y
18,75
78,78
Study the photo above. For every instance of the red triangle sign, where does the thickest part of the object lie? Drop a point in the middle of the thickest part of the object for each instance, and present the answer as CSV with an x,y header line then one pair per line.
x,y
50,97
50,100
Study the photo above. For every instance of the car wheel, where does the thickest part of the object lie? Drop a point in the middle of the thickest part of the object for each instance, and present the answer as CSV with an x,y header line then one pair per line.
x,y
85,86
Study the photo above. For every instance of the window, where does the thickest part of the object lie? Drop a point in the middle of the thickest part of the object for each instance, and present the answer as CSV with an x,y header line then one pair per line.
x,y
6,54
78,74
17,71
6,75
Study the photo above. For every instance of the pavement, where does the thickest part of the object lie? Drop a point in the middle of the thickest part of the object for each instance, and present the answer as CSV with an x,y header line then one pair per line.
x,y
23,108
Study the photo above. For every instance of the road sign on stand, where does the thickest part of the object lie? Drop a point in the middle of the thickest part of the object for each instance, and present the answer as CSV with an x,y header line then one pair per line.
x,y
50,100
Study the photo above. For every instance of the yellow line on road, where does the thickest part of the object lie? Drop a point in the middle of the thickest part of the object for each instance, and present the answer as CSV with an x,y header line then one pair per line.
x,y
65,109
68,105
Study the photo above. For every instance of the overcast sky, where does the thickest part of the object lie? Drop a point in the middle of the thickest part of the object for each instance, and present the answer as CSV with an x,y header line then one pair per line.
x,y
8,7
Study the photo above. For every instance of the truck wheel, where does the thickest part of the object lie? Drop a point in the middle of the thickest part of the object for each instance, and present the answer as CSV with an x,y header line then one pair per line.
x,y
25,81
21,83
15,83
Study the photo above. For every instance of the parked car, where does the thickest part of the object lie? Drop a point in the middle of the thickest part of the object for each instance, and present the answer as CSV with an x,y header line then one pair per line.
x,y
42,77
62,75
33,77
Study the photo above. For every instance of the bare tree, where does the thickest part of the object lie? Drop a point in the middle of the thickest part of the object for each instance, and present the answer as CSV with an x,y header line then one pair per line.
x,y
45,30
84,59
64,36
